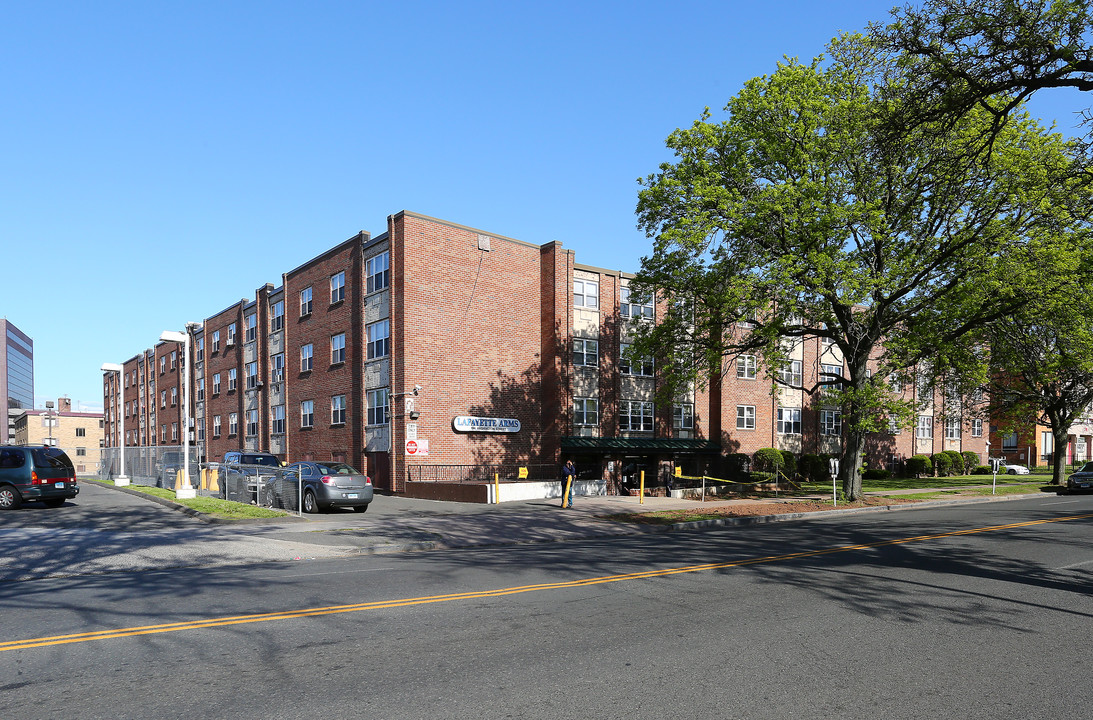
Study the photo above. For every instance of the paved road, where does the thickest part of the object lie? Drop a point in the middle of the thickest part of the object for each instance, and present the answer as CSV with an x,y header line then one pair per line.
x,y
973,611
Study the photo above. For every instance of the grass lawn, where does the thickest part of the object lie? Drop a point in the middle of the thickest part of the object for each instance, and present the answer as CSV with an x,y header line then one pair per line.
x,y
213,507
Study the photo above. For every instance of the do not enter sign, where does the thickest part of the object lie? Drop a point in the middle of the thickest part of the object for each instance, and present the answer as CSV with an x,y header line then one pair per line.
x,y
417,448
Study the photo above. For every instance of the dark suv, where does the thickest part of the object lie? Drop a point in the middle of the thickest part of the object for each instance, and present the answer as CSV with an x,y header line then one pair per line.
x,y
243,474
29,473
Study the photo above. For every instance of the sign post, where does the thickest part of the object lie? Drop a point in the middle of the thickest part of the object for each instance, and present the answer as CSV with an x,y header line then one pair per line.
x,y
833,465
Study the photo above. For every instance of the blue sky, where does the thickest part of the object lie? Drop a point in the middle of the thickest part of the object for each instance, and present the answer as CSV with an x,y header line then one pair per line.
x,y
162,160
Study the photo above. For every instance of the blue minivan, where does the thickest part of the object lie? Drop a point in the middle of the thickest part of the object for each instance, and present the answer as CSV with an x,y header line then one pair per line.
x,y
35,473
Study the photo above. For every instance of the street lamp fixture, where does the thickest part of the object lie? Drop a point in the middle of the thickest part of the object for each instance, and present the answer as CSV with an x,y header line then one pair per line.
x,y
185,489
122,479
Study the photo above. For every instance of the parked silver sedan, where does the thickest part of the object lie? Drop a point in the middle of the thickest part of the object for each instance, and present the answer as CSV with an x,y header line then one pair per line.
x,y
326,485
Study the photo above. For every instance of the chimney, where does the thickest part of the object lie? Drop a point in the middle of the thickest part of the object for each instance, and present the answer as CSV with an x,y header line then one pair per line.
x,y
64,405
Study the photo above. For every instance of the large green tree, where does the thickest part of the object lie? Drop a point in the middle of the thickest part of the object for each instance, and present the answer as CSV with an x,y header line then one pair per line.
x,y
799,215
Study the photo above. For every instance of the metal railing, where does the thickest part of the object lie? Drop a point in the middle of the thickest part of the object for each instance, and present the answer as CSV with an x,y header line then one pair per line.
x,y
483,473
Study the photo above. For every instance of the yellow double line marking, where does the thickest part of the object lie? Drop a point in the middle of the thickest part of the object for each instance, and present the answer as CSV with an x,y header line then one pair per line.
x,y
405,602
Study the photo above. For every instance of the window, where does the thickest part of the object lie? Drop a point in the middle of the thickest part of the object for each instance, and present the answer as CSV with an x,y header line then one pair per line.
x,y
163,432
216,384
277,420
337,410
231,379
377,272
1047,443
831,422
925,427
216,341
1009,441
640,366
81,432
231,335
174,432
163,364
305,357
586,352
830,374
252,422
586,412
305,301
893,426
746,367
200,389
337,287
201,344
977,428
174,396
307,413
337,349
251,324
683,416
895,382
278,361
379,412
586,293
174,359
634,310
251,370
379,339
745,417
789,421
952,428
790,373
636,416
277,316
233,423
81,451
163,398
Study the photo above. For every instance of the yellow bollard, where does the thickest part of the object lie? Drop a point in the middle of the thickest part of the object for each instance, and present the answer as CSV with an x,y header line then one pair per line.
x,y
565,492
204,479
497,488
213,485
641,489
178,479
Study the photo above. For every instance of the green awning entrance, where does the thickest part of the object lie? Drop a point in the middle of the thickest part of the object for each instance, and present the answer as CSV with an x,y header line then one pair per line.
x,y
641,446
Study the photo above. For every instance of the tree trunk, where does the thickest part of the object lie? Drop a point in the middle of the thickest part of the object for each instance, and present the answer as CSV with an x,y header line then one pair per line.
x,y
1058,453
850,465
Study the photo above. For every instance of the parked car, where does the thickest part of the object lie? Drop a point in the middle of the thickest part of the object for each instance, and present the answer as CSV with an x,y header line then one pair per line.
x,y
167,468
326,485
35,473
1015,469
1081,480
245,475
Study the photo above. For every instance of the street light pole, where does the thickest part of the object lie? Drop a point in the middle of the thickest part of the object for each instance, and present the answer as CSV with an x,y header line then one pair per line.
x,y
186,489
123,479
49,420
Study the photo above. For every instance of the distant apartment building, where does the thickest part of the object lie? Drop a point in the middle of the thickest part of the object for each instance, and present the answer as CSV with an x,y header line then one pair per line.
x,y
16,376
1033,445
79,434
437,345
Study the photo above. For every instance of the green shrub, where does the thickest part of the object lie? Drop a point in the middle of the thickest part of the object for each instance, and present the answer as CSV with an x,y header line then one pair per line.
x,y
942,463
768,460
789,464
813,467
876,474
982,470
761,477
919,465
971,461
956,462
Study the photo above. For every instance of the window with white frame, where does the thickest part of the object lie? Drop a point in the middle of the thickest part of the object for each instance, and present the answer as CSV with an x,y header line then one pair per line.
x,y
640,367
745,417
305,301
337,287
747,367
586,293
586,412
586,353
337,410
201,344
337,348
306,352
250,322
634,310
252,422
379,410
200,389
893,426
895,382
216,426
162,364
789,421
1047,443
977,428
231,335
251,370
377,272
174,359
831,422
233,423
790,373
952,428
163,398
277,420
277,316
216,384
307,414
1009,441
174,397
81,432
925,427
232,376
163,433
830,375
174,432
278,367
683,416
636,416
216,341
379,339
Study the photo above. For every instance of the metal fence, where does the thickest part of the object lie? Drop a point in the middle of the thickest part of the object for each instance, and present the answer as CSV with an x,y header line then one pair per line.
x,y
150,466
483,473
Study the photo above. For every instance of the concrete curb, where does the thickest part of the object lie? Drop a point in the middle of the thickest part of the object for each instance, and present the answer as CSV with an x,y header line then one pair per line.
x,y
196,514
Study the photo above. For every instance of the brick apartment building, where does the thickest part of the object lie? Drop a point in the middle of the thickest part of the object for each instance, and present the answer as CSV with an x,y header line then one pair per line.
x,y
516,351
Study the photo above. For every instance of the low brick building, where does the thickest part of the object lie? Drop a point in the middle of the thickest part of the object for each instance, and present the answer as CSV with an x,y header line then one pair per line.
x,y
79,434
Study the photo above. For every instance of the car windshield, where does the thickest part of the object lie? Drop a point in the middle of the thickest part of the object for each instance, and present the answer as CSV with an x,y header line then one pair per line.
x,y
336,469
1088,467
259,460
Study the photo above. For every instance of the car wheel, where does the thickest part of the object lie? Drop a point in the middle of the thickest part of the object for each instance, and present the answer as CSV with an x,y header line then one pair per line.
x,y
310,505
1011,472
54,502
9,498
360,508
